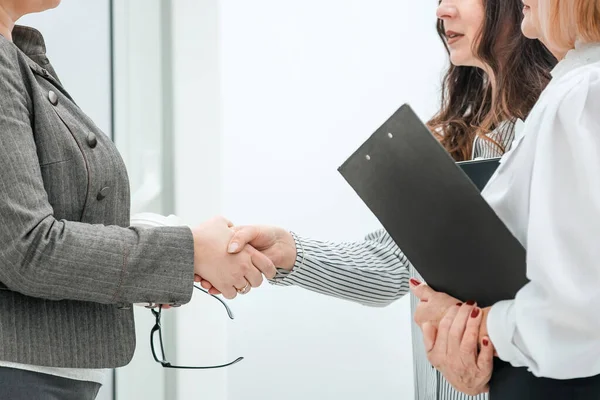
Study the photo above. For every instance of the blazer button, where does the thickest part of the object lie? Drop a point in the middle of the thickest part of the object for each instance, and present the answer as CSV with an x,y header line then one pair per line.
x,y
103,193
53,98
91,140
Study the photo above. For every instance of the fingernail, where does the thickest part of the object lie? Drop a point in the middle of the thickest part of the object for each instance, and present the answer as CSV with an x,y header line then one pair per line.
x,y
475,313
232,247
486,342
470,303
414,282
459,304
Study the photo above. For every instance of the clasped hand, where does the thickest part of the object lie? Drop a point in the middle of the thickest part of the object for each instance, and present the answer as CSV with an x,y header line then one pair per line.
x,y
228,259
451,334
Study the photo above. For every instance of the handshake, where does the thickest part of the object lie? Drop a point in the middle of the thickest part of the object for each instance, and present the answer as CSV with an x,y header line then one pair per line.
x,y
229,260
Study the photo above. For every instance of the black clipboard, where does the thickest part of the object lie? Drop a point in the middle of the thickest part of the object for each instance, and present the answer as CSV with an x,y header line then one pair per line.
x,y
435,213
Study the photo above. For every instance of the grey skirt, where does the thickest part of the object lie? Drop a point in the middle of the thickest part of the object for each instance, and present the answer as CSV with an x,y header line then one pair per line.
x,y
17,384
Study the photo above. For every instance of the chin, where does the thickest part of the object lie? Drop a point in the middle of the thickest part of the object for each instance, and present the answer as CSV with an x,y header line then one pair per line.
x,y
458,60
48,4
529,31
36,6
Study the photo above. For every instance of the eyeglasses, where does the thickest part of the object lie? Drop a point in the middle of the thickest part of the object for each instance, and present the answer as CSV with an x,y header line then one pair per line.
x,y
162,360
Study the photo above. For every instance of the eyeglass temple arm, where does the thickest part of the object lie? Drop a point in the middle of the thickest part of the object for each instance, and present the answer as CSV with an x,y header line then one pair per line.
x,y
229,312
168,365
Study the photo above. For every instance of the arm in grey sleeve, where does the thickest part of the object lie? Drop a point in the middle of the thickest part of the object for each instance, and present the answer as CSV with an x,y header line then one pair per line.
x,y
373,272
41,256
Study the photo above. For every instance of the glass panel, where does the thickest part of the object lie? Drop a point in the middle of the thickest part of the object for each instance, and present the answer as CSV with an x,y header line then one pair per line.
x,y
139,125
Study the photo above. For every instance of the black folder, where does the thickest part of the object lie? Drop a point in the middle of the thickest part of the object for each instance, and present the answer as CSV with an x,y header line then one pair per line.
x,y
435,213
480,171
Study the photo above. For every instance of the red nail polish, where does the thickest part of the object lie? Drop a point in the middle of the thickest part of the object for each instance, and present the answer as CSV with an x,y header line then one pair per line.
x,y
475,313
459,304
486,342
414,282
470,303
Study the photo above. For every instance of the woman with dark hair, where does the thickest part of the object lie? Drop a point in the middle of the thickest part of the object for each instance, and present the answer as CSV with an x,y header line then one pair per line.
x,y
495,78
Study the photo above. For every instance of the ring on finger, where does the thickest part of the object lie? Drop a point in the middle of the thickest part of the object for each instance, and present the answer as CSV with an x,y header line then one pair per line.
x,y
245,289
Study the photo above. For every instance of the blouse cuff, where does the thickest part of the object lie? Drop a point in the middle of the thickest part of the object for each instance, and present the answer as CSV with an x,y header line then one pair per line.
x,y
501,326
283,274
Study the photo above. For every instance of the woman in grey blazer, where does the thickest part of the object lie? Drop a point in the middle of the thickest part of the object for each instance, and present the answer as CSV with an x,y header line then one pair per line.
x,y
70,265
494,79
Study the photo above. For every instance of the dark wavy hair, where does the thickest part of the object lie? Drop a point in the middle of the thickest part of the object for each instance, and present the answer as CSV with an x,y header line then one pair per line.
x,y
521,69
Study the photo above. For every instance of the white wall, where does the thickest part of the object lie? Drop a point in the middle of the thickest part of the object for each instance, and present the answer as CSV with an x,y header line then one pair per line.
x,y
271,96
139,109
201,326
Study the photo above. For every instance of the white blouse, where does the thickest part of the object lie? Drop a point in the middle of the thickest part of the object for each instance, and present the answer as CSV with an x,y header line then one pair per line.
x,y
547,192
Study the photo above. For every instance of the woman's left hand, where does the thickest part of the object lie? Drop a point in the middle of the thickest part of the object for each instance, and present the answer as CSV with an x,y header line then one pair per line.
x,y
452,348
432,305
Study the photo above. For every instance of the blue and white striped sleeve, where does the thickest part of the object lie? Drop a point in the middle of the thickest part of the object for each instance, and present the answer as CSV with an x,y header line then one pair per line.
x,y
373,272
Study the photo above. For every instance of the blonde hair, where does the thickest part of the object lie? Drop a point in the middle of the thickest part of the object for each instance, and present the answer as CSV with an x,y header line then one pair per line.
x,y
565,21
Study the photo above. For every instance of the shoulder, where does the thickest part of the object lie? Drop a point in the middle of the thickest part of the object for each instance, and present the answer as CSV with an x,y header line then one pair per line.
x,y
579,82
11,62
13,75
570,113
577,95
9,55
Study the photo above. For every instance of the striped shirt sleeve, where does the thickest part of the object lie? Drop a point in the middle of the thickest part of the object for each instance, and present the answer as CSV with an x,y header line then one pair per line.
x,y
373,272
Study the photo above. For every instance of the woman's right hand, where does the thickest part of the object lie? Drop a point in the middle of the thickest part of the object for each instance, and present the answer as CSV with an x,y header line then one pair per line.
x,y
453,349
274,242
228,273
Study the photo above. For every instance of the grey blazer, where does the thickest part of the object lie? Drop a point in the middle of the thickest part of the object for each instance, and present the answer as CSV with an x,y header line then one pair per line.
x,y
70,267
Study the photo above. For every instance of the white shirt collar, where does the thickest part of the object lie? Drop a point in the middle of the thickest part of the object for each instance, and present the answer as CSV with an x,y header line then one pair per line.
x,y
582,54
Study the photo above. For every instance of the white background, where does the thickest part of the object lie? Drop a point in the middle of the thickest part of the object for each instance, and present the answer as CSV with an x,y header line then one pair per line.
x,y
261,128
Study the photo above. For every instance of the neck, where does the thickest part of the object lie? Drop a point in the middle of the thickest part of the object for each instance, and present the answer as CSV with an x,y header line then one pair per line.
x,y
7,22
559,54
